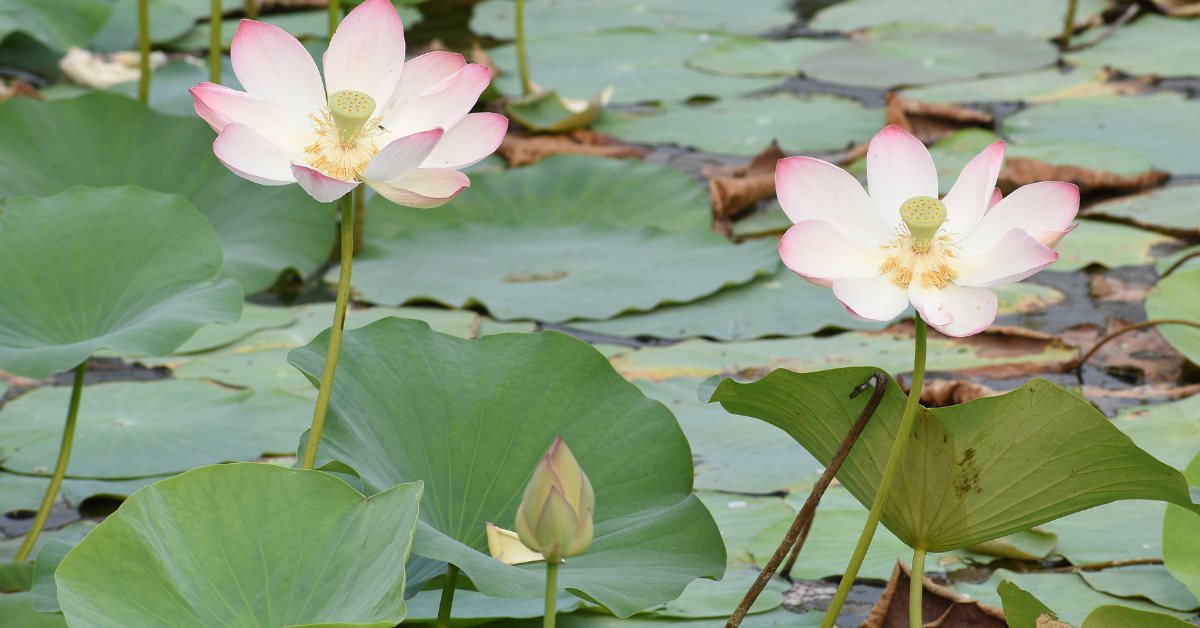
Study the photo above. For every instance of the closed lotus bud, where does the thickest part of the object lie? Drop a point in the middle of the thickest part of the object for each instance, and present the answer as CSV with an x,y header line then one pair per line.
x,y
555,517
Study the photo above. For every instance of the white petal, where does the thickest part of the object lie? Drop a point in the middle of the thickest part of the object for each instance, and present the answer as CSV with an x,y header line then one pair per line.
x,y
871,298
366,54
1016,256
254,157
444,106
898,168
420,75
811,189
931,303
401,156
816,250
221,106
424,188
1034,208
974,309
972,192
324,188
271,64
469,141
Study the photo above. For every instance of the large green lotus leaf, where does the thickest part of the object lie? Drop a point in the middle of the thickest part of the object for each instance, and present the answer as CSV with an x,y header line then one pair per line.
x,y
743,126
973,472
733,453
752,56
118,268
1107,244
58,24
1030,87
1181,538
564,190
1169,431
706,598
1022,610
1035,17
1174,210
1162,127
167,22
1154,44
1124,530
545,18
643,65
471,418
742,518
1177,296
17,611
145,429
1152,582
1067,593
116,141
265,547
554,273
893,351
780,305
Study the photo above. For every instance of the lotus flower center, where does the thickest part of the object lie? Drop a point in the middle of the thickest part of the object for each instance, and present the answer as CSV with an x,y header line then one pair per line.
x,y
919,252
345,130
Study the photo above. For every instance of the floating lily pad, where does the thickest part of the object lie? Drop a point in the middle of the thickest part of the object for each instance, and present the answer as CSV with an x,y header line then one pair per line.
x,y
45,590
778,618
119,268
1165,263
1107,244
706,598
552,17
1121,530
1169,431
551,273
25,492
1031,87
72,532
1181,538
742,126
742,518
1154,44
172,426
643,65
1174,210
751,56
1162,127
120,32
1035,17
116,141
520,389
1033,544
339,564
254,318
1177,296
1152,582
771,220
57,25
1067,593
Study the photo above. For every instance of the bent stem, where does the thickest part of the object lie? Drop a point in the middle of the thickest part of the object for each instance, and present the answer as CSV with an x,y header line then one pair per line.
x,y
1103,341
144,50
885,483
522,56
214,44
916,587
335,334
443,618
551,589
60,470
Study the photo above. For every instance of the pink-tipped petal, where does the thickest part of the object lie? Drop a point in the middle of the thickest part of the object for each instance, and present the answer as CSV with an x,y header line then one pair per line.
x,y
1034,208
997,196
324,188
1052,238
271,64
443,107
931,303
819,252
420,75
366,54
969,199
811,189
898,168
253,157
220,106
401,156
974,310
469,141
871,298
424,188
1016,256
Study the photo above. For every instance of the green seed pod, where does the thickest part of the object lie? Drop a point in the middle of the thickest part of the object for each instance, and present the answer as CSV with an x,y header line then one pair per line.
x,y
555,516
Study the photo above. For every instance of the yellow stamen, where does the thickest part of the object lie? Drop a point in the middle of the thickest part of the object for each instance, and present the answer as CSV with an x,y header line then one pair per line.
x,y
333,156
921,257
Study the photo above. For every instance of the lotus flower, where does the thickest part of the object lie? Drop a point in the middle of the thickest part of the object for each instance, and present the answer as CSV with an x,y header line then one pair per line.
x,y
902,245
555,516
402,128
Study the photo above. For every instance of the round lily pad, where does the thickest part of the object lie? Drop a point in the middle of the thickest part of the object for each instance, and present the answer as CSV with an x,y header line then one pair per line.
x,y
118,268
117,141
1067,593
1034,17
1154,45
751,56
1107,244
554,17
1177,296
1031,87
1174,210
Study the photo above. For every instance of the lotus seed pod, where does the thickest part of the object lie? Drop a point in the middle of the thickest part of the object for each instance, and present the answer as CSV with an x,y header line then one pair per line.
x,y
555,516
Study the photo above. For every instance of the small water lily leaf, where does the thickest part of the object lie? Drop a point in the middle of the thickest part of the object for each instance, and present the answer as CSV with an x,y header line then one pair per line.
x,y
706,598
742,126
521,390
1160,127
554,274
1033,544
552,17
1152,582
45,590
174,425
1154,44
1034,454
72,533
1181,538
742,518
1070,597
117,141
1023,610
753,56
1034,17
1107,244
1174,210
120,32
1124,617
642,65
1124,530
120,268
1034,87
57,25
339,564
1177,296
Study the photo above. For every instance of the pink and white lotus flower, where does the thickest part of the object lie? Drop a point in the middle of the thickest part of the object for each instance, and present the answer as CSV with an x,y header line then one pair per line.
x,y
402,128
902,244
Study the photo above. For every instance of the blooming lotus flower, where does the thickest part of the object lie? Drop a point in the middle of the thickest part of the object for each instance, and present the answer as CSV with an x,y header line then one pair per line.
x,y
902,245
555,515
402,128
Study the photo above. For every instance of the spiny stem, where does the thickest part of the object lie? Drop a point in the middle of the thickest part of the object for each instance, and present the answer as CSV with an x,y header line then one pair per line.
x,y
885,483
916,587
60,470
144,50
214,44
335,334
522,55
551,592
443,618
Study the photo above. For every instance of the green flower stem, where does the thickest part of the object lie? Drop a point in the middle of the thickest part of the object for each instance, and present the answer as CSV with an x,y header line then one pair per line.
x,y
551,588
443,620
214,44
144,50
522,55
335,16
915,588
335,334
1068,24
250,8
885,484
60,470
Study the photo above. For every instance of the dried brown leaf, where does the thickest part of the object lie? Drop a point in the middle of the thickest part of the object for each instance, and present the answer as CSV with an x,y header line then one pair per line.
x,y
522,149
1019,171
19,88
940,393
930,122
1141,355
1108,290
733,189
941,607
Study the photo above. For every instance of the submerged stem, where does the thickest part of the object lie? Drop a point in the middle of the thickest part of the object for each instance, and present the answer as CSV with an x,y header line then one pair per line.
x,y
522,55
885,483
335,334
443,618
214,44
144,50
551,590
916,587
60,469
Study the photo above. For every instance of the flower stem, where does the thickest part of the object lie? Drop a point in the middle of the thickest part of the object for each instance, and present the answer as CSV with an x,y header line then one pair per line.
x,y
250,8
335,16
916,587
214,44
443,618
885,483
144,50
522,55
60,470
551,588
1068,24
335,334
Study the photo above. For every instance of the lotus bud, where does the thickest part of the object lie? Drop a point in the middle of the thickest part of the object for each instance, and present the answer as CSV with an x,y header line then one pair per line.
x,y
555,516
